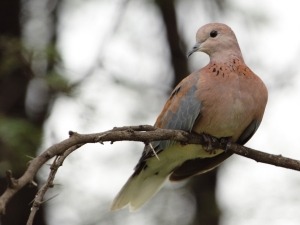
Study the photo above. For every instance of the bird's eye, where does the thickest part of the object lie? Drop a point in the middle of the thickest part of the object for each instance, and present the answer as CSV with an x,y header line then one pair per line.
x,y
213,33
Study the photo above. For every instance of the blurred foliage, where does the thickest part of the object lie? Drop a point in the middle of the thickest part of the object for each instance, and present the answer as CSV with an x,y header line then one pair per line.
x,y
15,56
20,138
58,83
20,134
11,55
52,54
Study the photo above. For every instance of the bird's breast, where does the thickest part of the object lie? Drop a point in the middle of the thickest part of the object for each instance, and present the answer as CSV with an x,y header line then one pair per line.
x,y
228,103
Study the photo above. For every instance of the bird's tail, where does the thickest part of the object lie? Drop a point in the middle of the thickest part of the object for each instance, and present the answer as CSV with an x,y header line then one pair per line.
x,y
138,190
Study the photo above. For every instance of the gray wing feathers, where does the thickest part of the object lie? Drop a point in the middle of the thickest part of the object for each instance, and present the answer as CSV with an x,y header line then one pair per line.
x,y
183,119
185,116
188,111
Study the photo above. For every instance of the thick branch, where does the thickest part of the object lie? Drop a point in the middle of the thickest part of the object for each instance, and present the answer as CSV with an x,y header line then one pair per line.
x,y
144,134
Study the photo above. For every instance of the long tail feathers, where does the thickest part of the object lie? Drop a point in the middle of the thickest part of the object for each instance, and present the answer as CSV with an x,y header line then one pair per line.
x,y
137,191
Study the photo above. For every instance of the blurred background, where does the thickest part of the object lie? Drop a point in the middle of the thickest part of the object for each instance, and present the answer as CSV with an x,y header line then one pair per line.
x,y
91,65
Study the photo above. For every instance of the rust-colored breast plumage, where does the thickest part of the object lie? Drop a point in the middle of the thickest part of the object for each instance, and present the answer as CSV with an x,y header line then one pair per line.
x,y
232,97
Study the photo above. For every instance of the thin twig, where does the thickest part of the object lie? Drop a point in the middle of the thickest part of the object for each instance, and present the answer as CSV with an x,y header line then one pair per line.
x,y
39,197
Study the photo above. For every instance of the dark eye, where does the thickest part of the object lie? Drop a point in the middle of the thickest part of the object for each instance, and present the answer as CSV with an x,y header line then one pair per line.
x,y
213,33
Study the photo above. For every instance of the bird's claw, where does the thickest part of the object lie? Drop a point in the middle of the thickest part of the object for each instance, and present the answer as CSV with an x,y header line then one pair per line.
x,y
212,143
209,143
225,141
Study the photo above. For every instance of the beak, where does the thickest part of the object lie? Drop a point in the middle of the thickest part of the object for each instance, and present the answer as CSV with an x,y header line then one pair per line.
x,y
194,49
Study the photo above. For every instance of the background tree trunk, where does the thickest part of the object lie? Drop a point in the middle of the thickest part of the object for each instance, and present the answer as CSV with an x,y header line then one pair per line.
x,y
20,133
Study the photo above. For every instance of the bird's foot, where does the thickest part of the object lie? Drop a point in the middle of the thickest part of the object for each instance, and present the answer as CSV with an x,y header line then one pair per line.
x,y
209,143
225,141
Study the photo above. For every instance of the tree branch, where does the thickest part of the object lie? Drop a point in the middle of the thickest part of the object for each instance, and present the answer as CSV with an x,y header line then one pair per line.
x,y
143,133
38,200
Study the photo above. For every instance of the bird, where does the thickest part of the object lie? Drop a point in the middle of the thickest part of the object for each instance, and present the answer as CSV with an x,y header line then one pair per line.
x,y
224,99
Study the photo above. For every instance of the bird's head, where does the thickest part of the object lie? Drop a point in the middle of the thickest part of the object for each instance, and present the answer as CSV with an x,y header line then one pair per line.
x,y
216,40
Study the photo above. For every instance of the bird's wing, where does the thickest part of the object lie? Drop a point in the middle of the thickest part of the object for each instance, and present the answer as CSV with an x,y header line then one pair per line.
x,y
180,113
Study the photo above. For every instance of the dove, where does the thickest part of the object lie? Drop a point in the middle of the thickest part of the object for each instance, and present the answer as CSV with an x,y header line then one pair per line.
x,y
224,99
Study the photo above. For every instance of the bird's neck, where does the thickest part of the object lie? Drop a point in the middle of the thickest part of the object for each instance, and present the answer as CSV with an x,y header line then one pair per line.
x,y
226,57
